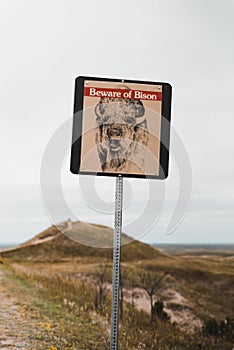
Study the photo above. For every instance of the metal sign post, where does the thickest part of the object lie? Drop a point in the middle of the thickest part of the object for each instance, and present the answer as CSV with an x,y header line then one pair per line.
x,y
116,263
132,143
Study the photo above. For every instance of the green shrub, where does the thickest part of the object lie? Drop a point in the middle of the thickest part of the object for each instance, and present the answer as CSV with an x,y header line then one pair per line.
x,y
159,312
223,329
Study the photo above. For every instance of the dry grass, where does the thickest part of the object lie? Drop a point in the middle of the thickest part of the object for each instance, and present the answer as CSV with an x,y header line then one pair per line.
x,y
71,287
61,277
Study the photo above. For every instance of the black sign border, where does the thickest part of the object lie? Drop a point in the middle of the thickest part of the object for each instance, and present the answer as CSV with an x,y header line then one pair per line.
x,y
77,128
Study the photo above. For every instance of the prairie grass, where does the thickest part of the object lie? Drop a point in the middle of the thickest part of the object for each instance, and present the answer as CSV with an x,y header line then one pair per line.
x,y
70,289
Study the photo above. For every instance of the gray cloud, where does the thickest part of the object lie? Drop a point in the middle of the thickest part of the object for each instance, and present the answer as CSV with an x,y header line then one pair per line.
x,y
45,45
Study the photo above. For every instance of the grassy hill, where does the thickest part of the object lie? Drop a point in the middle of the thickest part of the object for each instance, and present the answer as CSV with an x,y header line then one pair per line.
x,y
61,242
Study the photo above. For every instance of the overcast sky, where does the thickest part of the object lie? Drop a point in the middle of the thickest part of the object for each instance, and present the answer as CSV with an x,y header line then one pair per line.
x,y
45,45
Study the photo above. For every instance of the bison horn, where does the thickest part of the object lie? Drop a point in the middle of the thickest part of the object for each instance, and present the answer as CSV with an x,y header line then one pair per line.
x,y
140,109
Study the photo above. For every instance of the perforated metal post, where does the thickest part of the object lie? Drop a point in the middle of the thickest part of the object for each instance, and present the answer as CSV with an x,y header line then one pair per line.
x,y
116,263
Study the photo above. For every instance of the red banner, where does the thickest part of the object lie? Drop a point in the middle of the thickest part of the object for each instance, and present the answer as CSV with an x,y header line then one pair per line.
x,y
123,93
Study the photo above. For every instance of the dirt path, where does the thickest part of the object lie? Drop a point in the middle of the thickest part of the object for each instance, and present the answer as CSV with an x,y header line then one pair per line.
x,y
18,329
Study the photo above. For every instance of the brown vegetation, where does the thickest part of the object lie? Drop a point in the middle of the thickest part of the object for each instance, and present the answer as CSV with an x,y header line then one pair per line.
x,y
191,290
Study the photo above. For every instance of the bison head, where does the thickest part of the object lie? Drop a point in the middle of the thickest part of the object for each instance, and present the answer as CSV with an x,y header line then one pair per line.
x,y
121,133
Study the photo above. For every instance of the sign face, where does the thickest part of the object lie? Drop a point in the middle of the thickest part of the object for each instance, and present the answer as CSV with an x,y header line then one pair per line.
x,y
121,128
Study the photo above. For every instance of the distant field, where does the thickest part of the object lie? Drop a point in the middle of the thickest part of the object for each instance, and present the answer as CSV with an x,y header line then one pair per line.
x,y
197,249
178,249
